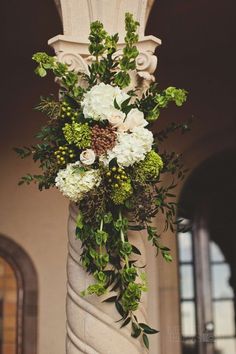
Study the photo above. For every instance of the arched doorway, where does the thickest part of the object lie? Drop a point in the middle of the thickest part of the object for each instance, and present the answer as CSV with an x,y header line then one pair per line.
x,y
18,300
207,258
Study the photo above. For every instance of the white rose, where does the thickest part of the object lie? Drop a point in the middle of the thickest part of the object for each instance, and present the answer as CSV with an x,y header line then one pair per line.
x,y
122,128
117,118
134,119
87,157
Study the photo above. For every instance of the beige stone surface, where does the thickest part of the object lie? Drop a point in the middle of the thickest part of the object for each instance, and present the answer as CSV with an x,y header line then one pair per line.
x,y
77,15
37,221
91,323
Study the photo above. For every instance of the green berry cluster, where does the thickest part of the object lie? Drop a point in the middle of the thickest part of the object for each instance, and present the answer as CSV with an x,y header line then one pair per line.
x,y
67,111
64,155
116,176
121,193
78,134
120,183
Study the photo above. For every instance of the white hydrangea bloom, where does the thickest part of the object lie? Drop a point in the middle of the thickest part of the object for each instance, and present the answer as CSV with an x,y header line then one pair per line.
x,y
131,148
98,103
74,184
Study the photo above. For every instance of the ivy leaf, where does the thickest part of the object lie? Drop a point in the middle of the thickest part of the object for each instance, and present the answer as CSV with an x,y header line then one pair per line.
x,y
146,340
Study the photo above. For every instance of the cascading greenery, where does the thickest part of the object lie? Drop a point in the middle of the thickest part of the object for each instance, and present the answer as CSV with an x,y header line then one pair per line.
x,y
98,149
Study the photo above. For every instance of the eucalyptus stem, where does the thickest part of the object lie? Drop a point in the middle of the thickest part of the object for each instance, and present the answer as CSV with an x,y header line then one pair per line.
x,y
122,236
101,228
101,225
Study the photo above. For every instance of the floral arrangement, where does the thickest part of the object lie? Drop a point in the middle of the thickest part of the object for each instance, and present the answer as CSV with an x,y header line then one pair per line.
x,y
99,150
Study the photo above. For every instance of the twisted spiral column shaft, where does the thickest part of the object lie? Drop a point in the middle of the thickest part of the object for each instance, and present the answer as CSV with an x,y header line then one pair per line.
x,y
91,323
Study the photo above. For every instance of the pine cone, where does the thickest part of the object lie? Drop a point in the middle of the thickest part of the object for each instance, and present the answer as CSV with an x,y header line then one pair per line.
x,y
103,139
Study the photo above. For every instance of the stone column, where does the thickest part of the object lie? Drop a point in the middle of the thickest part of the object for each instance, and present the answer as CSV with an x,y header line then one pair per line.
x,y
91,323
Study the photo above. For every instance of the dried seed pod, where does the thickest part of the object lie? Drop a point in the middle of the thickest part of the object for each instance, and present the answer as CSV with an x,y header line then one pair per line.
x,y
103,139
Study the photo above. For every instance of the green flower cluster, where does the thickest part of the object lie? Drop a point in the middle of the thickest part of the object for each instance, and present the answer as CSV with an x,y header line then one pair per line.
x,y
171,94
129,275
78,134
148,169
121,192
97,288
131,297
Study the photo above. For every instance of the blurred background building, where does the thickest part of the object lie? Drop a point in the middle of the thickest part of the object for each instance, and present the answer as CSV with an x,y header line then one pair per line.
x,y
196,303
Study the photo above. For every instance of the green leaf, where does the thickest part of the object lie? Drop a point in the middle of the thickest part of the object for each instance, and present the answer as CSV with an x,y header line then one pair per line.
x,y
79,220
167,257
116,286
146,340
135,250
136,331
125,103
136,227
110,299
148,329
116,104
41,71
127,321
120,309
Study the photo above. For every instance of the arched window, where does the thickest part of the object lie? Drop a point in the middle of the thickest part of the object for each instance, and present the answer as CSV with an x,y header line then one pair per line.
x,y
207,262
207,296
18,300
8,308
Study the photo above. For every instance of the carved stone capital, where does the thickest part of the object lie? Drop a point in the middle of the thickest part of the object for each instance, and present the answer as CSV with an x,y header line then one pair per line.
x,y
76,55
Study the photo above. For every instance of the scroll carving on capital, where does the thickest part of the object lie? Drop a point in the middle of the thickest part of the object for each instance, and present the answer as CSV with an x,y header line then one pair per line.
x,y
74,61
146,64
